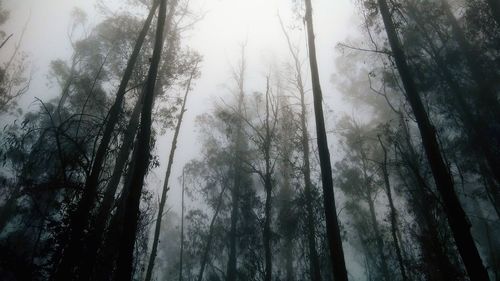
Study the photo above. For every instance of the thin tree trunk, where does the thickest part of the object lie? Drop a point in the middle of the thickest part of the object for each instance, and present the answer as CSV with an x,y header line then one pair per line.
x,y
5,40
127,239
165,189
332,224
438,262
206,252
457,218
235,193
182,230
231,263
314,268
378,236
267,233
393,214
79,218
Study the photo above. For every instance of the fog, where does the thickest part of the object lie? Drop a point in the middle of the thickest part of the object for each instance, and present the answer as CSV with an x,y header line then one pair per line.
x,y
412,136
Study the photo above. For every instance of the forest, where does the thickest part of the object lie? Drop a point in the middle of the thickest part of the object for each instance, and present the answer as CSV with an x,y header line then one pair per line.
x,y
238,140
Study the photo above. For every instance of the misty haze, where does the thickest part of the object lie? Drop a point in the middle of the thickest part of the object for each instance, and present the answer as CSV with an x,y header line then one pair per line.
x,y
250,140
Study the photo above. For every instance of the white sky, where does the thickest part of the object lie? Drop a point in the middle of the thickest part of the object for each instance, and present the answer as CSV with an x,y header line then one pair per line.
x,y
217,37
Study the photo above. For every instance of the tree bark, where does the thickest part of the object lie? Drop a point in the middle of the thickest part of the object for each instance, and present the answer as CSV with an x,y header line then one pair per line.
x,y
332,224
127,239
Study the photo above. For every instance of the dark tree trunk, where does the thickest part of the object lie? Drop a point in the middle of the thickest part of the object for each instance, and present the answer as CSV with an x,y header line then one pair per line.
x,y
235,196
181,254
99,225
456,216
268,186
231,272
107,254
393,214
479,138
165,189
206,251
379,241
314,268
127,239
267,230
79,218
109,248
438,263
332,224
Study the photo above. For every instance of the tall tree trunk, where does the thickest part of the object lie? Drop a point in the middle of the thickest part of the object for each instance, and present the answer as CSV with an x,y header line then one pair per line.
x,y
127,239
105,267
477,127
438,262
456,216
268,186
165,189
182,230
314,268
379,241
267,233
79,218
393,214
332,224
206,251
231,273
107,254
99,225
235,196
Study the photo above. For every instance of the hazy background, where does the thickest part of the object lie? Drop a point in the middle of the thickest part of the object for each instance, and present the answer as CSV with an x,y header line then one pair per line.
x,y
226,24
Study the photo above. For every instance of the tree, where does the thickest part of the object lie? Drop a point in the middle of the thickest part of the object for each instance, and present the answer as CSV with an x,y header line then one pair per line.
x,y
314,267
80,217
332,224
167,174
141,157
455,213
